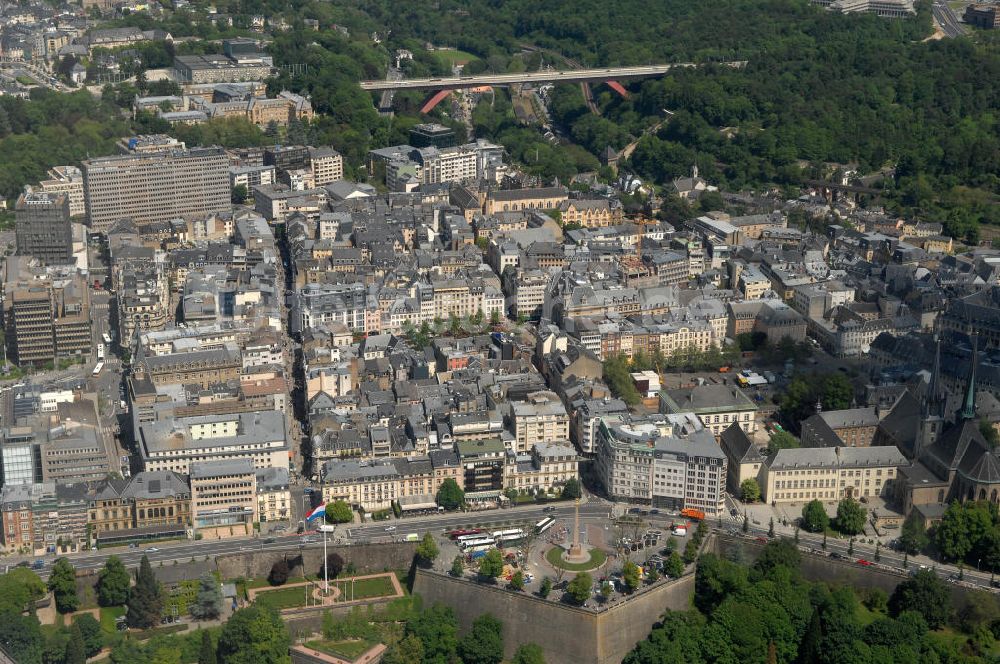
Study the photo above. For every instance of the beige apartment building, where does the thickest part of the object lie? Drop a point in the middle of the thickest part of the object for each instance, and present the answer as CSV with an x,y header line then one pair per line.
x,y
540,419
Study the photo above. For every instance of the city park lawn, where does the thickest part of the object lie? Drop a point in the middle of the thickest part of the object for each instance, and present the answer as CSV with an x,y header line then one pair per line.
x,y
108,616
363,589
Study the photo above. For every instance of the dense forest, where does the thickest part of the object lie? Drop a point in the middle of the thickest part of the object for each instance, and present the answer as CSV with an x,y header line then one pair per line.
x,y
819,89
769,614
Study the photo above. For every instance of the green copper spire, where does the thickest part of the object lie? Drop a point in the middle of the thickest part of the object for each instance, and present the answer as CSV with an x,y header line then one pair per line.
x,y
969,410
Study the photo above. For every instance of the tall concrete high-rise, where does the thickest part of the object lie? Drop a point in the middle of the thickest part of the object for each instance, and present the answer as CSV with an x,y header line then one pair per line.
x,y
46,312
157,186
43,228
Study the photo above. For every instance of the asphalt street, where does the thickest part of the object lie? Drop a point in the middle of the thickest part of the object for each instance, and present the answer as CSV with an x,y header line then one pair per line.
x,y
947,19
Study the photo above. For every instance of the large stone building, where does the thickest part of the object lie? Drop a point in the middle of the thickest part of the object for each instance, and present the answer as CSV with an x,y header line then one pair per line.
x,y
174,443
157,186
831,473
43,229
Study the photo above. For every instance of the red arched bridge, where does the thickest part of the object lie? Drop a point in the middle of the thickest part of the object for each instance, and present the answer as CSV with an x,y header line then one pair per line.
x,y
609,75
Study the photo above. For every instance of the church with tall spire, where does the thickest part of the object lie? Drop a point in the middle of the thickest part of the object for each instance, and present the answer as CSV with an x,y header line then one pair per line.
x,y
951,457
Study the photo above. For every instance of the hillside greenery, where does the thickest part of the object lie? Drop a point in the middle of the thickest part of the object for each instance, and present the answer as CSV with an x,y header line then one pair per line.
x,y
820,91
770,614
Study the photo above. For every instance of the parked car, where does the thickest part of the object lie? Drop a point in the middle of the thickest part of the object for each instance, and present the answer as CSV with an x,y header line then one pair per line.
x,y
863,562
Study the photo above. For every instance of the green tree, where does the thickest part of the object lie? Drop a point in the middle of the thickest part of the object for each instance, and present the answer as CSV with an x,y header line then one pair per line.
x,y
924,593
279,573
145,601
617,374
814,517
571,489
529,653
579,588
457,566
782,440
90,629
21,637
339,512
427,550
517,581
780,552
62,583
850,516
484,642
333,566
749,490
76,649
239,193
113,583
545,588
254,635
206,654
962,528
913,536
491,565
409,650
674,566
450,496
208,604
437,629
630,575
18,587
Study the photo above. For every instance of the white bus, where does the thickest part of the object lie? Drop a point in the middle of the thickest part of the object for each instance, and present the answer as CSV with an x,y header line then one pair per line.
x,y
462,539
98,368
510,538
544,525
100,351
478,544
107,338
510,531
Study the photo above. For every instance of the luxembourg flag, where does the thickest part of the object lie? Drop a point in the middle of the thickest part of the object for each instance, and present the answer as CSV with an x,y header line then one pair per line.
x,y
316,513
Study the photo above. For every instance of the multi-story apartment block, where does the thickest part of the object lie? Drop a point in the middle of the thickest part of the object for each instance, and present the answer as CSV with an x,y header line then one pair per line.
x,y
717,406
327,165
156,186
483,462
220,68
369,485
224,497
547,467
66,180
43,229
541,418
197,366
46,313
273,497
143,301
666,462
831,473
251,176
174,443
